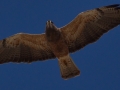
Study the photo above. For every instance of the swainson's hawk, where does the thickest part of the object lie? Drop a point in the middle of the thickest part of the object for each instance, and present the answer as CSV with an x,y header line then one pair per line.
x,y
86,28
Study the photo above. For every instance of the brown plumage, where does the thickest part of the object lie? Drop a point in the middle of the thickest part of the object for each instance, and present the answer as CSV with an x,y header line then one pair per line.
x,y
86,28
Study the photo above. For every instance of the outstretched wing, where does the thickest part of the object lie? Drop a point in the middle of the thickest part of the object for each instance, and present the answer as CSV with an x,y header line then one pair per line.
x,y
24,48
88,26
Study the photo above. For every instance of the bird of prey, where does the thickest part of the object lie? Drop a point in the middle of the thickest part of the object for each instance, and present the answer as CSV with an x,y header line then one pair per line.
x,y
86,28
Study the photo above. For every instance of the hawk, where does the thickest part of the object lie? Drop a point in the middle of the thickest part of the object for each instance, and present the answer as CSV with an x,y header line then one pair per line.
x,y
86,28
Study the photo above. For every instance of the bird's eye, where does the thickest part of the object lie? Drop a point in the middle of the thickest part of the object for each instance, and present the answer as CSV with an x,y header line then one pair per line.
x,y
51,22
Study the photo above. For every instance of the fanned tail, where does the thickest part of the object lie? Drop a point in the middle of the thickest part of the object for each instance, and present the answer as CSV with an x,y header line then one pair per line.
x,y
67,67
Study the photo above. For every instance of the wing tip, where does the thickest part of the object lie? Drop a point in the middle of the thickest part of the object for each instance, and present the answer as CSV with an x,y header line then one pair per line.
x,y
113,6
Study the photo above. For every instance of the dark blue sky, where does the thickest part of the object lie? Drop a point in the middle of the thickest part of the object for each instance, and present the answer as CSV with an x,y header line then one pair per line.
x,y
99,62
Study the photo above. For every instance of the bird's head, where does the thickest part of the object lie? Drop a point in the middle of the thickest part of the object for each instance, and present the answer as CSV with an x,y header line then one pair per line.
x,y
50,25
52,32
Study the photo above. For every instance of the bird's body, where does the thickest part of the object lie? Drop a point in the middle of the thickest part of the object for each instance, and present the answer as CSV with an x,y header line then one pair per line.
x,y
86,28
59,47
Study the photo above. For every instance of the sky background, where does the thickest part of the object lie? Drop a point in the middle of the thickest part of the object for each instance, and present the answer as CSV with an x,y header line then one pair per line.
x,y
99,62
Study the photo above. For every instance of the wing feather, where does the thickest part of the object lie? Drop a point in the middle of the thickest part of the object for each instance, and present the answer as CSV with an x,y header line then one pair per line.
x,y
89,26
25,48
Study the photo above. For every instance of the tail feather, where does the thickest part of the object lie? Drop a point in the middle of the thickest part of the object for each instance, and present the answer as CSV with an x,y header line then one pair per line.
x,y
68,68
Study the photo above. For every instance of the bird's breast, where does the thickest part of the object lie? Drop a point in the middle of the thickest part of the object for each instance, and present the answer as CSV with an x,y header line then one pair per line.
x,y
53,36
58,46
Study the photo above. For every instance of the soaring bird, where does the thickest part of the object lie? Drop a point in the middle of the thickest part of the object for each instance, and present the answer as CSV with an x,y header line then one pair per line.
x,y
86,28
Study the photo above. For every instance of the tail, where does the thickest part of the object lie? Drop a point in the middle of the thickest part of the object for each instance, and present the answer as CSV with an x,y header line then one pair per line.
x,y
67,67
